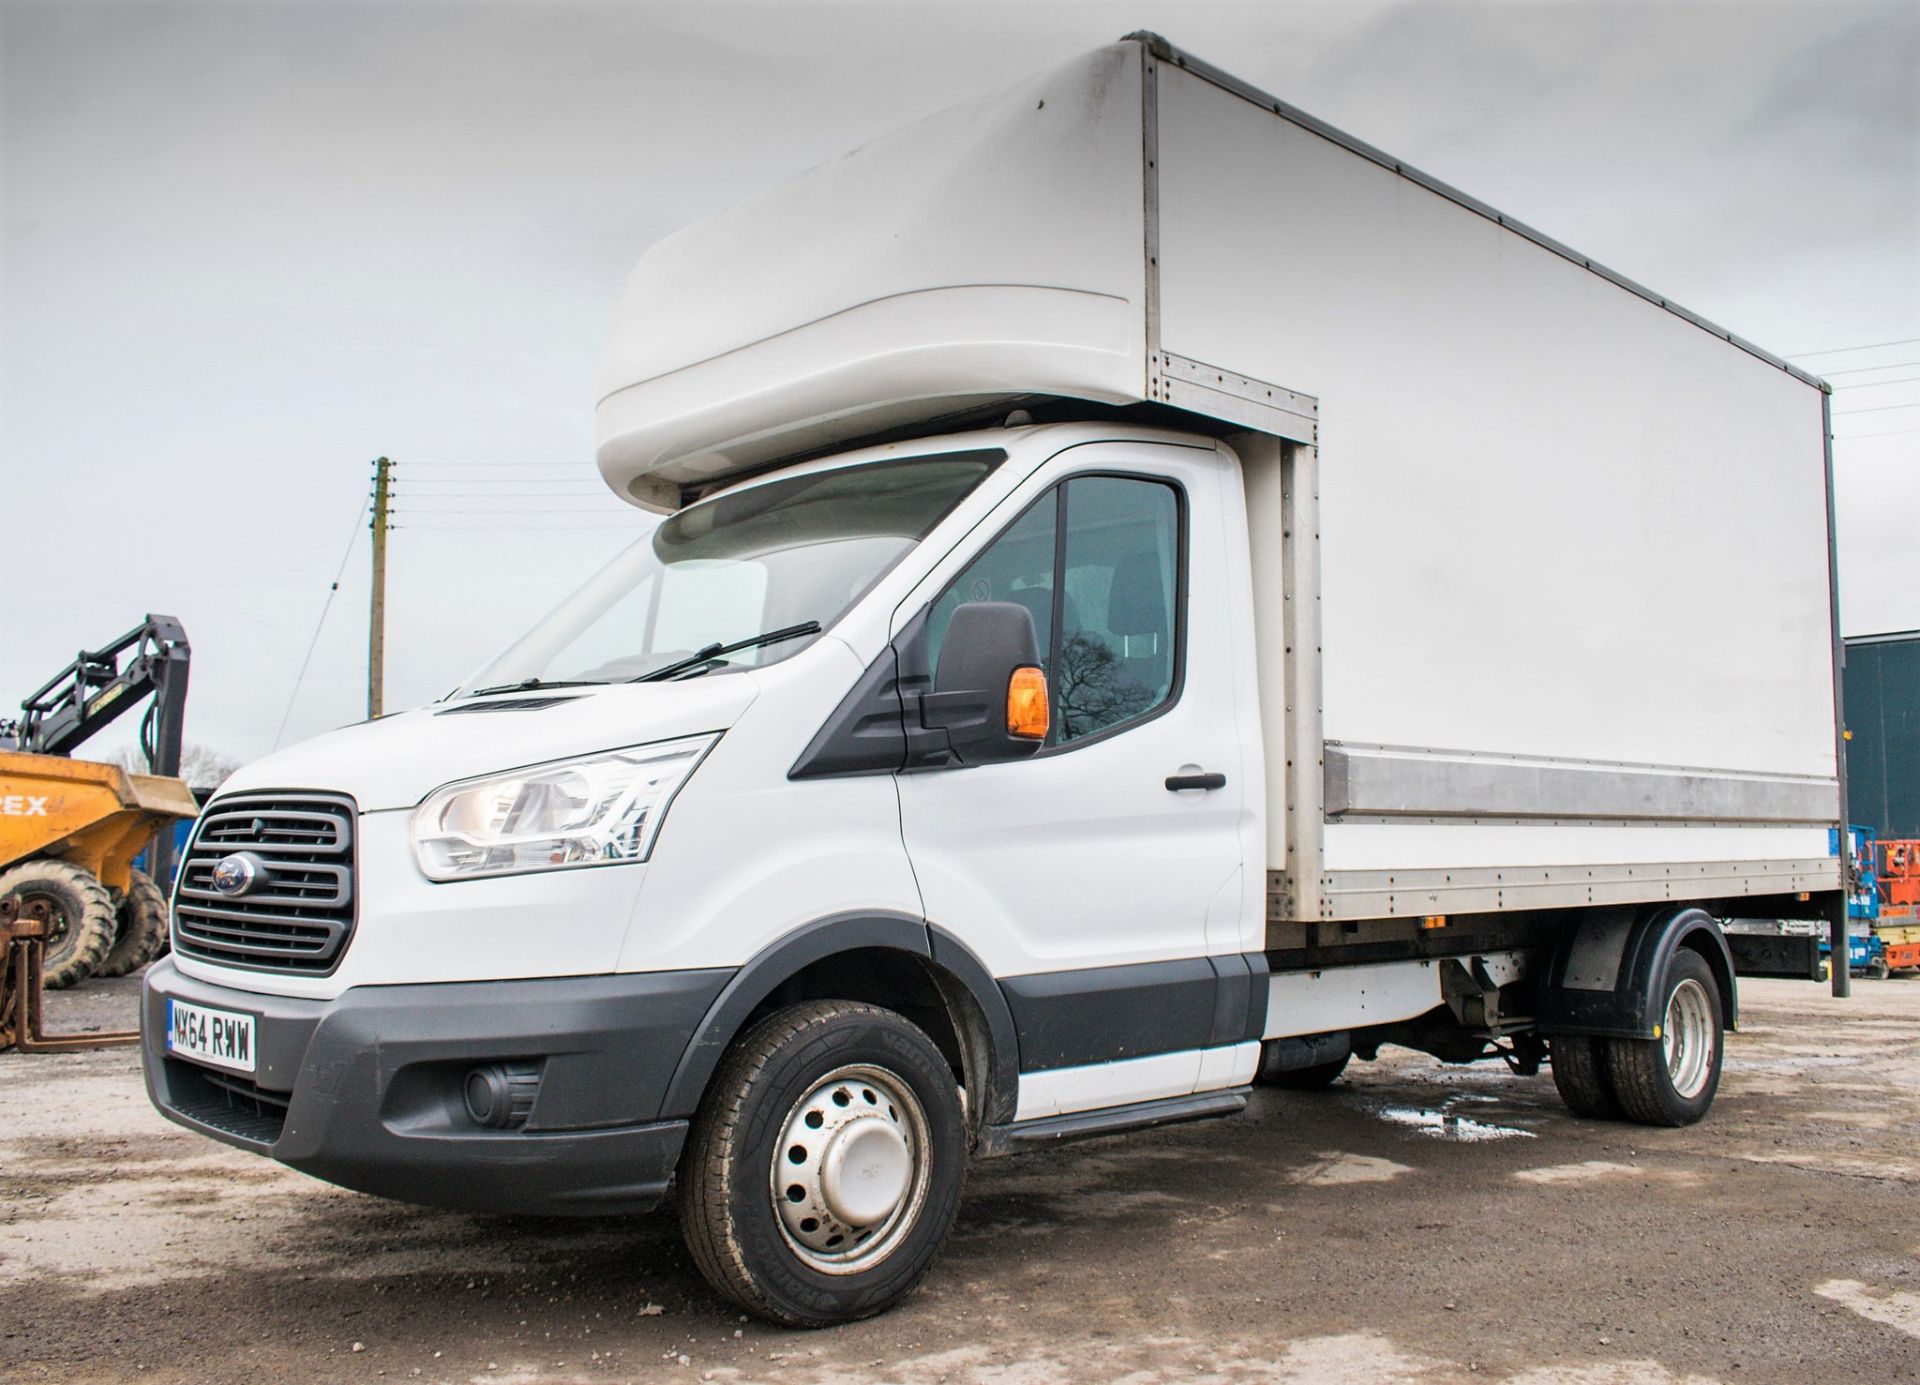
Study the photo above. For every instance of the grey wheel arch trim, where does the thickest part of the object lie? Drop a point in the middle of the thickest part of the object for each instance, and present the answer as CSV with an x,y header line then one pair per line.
x,y
1642,949
952,968
953,958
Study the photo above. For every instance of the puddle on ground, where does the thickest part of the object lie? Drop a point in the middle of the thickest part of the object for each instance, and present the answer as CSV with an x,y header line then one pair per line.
x,y
1445,1122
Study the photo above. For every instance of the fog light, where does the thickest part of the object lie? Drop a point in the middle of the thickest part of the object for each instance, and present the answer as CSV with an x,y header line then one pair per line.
x,y
500,1095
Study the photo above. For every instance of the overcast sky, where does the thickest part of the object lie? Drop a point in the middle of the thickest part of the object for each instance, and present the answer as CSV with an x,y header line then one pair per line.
x,y
250,246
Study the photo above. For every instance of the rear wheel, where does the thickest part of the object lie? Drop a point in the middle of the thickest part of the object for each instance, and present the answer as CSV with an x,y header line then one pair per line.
x,y
1671,1080
824,1167
1580,1073
142,932
80,915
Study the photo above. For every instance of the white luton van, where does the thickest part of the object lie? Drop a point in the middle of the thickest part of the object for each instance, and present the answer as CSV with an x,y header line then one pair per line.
x,y
1154,597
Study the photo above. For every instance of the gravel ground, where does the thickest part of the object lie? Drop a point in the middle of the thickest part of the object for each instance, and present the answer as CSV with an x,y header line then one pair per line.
x,y
1417,1223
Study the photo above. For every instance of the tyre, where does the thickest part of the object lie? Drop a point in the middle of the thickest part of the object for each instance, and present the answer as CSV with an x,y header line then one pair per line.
x,y
81,912
1580,1073
1878,970
1317,1078
1671,1080
824,1166
142,928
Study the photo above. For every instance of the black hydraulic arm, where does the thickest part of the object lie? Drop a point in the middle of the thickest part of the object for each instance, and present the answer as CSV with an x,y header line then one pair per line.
x,y
102,684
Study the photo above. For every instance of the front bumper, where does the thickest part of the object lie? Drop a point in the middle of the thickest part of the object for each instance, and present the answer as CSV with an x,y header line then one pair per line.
x,y
366,1090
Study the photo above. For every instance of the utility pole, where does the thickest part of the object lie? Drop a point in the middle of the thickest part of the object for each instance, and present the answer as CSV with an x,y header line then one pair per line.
x,y
377,616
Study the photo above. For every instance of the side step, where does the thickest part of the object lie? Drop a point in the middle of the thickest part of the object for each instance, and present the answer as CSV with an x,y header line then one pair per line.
x,y
1023,1136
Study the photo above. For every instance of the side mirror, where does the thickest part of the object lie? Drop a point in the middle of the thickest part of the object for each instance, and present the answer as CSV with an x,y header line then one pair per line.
x,y
989,691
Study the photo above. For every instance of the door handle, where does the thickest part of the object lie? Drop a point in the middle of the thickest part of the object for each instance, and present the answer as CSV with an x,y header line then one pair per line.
x,y
1177,782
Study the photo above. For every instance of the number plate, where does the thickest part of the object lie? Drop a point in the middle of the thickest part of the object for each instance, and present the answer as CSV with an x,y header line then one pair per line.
x,y
219,1037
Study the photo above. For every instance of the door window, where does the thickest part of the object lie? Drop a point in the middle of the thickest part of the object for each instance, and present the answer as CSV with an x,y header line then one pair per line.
x,y
1104,602
1115,657
1018,566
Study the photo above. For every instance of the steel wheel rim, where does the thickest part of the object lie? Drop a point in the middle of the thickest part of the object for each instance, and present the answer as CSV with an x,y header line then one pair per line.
x,y
59,926
1689,1038
880,1122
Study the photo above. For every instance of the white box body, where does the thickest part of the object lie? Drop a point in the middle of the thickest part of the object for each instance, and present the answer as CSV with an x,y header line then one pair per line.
x,y
1573,573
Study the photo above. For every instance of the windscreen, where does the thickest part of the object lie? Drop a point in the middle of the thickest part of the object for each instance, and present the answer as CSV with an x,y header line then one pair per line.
x,y
758,561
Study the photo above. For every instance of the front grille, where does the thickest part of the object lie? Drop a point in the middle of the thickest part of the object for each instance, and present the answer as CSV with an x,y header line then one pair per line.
x,y
227,1101
298,914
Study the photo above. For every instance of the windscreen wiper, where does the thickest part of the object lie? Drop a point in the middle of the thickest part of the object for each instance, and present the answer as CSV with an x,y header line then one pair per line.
x,y
715,651
526,683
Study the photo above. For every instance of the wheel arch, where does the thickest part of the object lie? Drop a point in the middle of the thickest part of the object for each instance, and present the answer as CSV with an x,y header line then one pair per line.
x,y
1706,939
1609,970
888,959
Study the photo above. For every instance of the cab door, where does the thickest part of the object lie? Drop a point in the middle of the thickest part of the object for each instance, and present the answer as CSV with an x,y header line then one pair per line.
x,y
1086,876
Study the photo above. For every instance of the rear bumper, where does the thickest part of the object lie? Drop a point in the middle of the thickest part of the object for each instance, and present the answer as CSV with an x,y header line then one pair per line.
x,y
366,1090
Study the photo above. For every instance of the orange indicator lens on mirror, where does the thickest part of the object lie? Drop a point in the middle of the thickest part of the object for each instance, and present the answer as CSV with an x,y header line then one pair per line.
x,y
1027,713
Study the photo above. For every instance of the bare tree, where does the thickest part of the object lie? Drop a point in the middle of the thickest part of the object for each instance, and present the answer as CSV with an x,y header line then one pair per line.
x,y
201,765
1095,690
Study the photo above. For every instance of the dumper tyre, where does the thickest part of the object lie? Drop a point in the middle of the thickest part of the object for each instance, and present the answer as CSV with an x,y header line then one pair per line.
x,y
142,920
82,913
1671,1080
1579,1064
824,1167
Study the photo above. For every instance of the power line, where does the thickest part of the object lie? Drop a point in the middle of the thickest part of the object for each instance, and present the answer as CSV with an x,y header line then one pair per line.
x,y
1876,409
1842,350
456,519
518,528
325,607
416,517
415,510
1875,384
494,466
1863,369
1894,433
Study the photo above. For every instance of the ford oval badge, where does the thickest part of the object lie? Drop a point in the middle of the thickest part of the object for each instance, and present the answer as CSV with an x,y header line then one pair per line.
x,y
236,874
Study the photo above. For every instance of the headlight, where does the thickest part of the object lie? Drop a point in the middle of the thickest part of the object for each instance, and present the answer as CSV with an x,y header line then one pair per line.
x,y
587,812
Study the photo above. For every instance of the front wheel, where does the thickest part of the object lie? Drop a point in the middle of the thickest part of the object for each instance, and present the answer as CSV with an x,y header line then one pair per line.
x,y
824,1167
1671,1080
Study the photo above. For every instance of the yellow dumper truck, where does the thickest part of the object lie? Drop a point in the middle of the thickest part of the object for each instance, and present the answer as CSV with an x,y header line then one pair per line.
x,y
70,829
